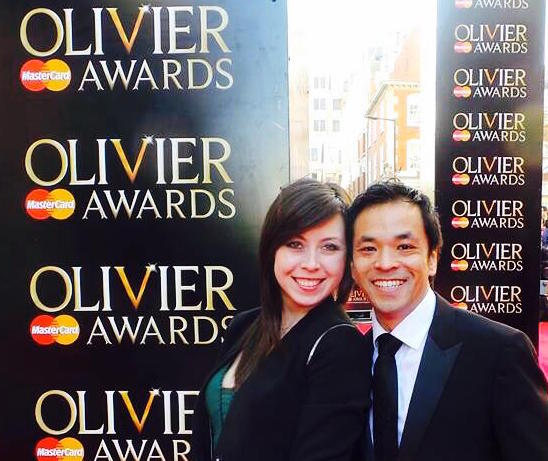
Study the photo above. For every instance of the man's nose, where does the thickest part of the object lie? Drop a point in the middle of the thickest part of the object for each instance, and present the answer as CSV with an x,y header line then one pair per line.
x,y
386,260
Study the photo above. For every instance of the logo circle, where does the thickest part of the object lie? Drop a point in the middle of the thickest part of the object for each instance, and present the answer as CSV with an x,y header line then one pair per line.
x,y
30,75
460,179
36,202
460,222
59,74
64,204
40,330
46,330
460,305
462,47
36,75
51,449
69,330
41,204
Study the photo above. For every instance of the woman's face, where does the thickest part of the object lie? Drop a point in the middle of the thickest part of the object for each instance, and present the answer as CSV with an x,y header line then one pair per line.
x,y
310,266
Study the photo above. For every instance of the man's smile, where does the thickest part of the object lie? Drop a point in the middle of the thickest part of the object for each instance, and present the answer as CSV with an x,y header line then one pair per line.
x,y
388,283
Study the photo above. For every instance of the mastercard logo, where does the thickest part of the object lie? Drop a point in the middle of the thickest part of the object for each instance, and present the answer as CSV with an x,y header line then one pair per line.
x,y
462,91
462,47
37,75
460,222
51,449
41,204
460,305
461,135
463,3
459,265
460,179
46,330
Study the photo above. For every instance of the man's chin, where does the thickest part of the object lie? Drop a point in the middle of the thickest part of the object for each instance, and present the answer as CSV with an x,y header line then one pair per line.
x,y
390,311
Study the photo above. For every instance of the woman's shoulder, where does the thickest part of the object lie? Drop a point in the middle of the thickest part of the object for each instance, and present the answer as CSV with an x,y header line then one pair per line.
x,y
245,317
328,319
329,314
240,323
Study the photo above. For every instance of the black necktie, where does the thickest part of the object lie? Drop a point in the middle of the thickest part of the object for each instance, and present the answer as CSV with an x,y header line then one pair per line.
x,y
385,399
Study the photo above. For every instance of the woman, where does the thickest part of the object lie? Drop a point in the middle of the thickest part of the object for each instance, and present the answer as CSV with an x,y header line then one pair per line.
x,y
291,382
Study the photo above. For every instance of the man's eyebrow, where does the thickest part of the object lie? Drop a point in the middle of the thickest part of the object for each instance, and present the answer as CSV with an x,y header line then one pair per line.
x,y
365,238
403,236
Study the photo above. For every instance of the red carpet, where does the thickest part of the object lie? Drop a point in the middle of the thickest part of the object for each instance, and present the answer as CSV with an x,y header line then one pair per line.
x,y
543,347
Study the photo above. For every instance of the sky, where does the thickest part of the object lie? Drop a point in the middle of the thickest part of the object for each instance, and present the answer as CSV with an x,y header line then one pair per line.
x,y
336,31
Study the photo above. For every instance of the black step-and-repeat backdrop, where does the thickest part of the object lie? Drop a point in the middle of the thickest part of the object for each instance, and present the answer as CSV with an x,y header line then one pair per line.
x,y
143,144
490,82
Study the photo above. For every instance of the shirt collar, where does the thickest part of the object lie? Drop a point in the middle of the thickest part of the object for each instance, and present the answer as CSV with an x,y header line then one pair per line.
x,y
412,329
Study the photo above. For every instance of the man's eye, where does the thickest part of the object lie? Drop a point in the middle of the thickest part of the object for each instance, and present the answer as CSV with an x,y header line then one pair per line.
x,y
366,249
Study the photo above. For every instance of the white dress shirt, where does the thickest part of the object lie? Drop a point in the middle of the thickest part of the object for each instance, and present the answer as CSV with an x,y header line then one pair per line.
x,y
412,332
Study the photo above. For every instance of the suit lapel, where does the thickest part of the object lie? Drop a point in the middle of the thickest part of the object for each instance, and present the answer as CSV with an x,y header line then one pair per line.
x,y
439,355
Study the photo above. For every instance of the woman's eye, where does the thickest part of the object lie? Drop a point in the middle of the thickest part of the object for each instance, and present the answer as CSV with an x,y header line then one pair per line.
x,y
405,246
295,244
331,247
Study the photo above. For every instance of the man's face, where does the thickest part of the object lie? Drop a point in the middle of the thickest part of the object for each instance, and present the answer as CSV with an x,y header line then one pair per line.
x,y
391,260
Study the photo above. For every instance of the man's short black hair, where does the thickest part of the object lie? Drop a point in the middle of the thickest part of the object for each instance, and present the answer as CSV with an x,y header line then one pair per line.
x,y
393,190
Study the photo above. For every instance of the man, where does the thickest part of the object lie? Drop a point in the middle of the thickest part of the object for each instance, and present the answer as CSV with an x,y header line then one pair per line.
x,y
467,389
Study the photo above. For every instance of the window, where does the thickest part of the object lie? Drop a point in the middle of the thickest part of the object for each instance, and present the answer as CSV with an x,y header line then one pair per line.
x,y
319,125
332,155
319,103
336,125
413,156
370,133
314,154
363,165
337,104
413,110
319,82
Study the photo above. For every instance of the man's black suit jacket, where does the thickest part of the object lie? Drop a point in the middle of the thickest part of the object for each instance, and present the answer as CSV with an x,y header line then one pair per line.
x,y
479,394
288,410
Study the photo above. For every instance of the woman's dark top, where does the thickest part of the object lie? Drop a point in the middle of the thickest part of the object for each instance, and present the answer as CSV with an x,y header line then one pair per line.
x,y
294,406
218,399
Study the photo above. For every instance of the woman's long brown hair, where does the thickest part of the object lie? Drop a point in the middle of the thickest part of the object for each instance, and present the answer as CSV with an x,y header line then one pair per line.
x,y
298,207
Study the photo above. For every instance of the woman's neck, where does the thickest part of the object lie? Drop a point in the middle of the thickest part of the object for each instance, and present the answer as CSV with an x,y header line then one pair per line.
x,y
291,315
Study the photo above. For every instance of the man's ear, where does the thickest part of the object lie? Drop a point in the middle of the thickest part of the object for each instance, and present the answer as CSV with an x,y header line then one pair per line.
x,y
433,262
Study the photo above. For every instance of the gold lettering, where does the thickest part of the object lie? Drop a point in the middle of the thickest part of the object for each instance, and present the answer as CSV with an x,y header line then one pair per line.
x,y
139,423
135,300
131,173
128,44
